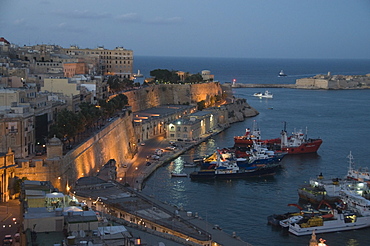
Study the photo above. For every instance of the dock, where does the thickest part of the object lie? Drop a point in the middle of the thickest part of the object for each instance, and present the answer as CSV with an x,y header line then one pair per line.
x,y
123,205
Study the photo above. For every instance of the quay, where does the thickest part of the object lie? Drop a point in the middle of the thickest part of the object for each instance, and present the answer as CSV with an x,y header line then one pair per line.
x,y
122,202
123,205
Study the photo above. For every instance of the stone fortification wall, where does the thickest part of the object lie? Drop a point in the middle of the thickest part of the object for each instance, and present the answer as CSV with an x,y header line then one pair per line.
x,y
116,141
334,82
164,94
312,83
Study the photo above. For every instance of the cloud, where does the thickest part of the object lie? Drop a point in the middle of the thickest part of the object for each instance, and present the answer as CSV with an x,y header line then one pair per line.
x,y
19,22
130,17
161,20
70,28
78,14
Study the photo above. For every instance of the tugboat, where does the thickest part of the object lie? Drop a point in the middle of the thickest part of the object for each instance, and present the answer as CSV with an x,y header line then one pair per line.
x,y
297,143
282,74
249,137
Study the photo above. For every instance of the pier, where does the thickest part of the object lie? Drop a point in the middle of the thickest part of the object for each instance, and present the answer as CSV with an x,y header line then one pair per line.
x,y
239,85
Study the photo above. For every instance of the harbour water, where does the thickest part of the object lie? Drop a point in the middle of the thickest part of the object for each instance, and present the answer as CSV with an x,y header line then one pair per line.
x,y
340,118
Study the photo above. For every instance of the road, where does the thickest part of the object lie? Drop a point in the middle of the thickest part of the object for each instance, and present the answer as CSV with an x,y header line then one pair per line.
x,y
10,218
137,170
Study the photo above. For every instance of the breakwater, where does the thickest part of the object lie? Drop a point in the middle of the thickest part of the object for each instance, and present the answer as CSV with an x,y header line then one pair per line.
x,y
238,85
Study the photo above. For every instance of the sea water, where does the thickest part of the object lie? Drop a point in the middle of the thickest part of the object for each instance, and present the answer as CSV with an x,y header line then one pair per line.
x,y
340,117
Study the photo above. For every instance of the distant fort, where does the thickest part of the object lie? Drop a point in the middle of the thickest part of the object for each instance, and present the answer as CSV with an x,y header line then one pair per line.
x,y
319,82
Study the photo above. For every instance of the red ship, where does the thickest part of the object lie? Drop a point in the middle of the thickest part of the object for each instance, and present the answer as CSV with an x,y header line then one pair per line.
x,y
297,143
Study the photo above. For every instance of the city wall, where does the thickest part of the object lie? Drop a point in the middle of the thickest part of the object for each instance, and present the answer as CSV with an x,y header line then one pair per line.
x,y
117,140
164,94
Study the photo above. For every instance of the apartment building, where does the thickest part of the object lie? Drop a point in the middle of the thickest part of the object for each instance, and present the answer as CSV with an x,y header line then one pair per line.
x,y
118,61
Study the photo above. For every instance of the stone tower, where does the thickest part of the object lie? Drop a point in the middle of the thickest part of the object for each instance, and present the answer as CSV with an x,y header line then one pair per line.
x,y
54,148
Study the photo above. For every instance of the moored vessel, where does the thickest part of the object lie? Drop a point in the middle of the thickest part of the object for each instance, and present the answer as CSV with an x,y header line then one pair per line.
x,y
297,143
320,188
266,94
229,169
339,222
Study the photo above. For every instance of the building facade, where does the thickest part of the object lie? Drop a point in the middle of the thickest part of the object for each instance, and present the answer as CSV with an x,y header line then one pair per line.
x,y
118,61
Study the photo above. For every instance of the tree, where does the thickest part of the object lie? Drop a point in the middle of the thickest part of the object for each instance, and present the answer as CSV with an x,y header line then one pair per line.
x,y
67,125
201,105
164,76
194,78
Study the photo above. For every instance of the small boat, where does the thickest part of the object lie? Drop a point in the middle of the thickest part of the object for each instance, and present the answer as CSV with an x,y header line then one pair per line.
x,y
190,165
282,74
179,175
266,94
291,220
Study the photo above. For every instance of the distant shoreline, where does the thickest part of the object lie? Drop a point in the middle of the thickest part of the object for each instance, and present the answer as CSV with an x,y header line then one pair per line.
x,y
291,86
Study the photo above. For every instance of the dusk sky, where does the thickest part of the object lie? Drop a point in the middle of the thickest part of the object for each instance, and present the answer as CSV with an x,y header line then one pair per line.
x,y
197,28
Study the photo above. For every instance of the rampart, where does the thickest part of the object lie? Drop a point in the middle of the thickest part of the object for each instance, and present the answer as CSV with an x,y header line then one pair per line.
x,y
164,94
117,139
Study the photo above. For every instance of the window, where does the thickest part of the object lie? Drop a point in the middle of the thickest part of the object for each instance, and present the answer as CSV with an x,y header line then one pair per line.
x,y
179,129
185,129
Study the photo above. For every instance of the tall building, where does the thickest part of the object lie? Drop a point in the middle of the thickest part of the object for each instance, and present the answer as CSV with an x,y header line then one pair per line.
x,y
118,61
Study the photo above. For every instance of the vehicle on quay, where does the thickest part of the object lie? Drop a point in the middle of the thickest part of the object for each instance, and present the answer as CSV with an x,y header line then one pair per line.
x,y
8,240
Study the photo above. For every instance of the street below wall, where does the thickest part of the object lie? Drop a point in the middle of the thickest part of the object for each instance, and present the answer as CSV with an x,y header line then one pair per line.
x,y
135,172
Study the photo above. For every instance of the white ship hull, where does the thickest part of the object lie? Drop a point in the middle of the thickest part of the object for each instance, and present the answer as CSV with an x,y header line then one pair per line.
x,y
331,226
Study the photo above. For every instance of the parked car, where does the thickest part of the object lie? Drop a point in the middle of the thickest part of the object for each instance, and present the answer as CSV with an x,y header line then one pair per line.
x,y
148,163
17,237
171,148
8,240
